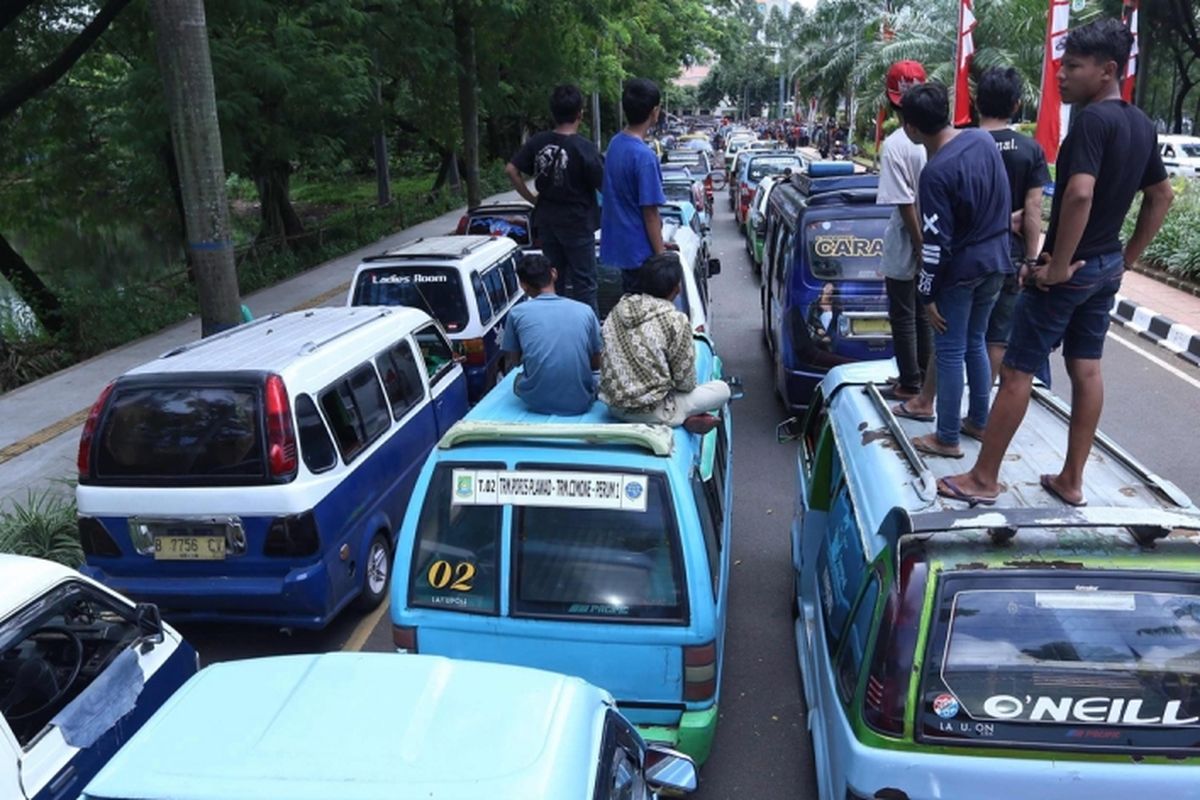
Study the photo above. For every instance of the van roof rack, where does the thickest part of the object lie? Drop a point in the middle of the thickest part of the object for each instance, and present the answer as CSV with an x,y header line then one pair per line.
x,y
810,185
843,197
220,337
438,248
657,439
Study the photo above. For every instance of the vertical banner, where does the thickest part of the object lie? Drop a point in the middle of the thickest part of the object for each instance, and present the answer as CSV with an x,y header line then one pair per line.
x,y
1052,115
1131,20
962,64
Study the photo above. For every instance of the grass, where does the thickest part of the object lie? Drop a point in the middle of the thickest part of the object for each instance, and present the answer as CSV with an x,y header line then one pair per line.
x,y
43,526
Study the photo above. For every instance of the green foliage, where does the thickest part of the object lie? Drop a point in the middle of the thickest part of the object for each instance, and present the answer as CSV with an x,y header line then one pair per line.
x,y
43,527
1176,248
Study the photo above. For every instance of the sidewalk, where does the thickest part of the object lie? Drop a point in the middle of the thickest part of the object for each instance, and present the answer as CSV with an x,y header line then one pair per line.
x,y
40,430
1161,313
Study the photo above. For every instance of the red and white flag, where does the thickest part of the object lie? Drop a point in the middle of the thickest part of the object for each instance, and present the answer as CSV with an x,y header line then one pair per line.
x,y
1052,114
1131,19
962,64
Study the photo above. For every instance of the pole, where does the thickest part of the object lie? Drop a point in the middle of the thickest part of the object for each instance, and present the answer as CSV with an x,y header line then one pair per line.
x,y
596,117
181,39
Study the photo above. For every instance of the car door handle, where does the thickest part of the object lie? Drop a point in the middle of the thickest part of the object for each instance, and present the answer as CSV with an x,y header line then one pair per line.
x,y
62,781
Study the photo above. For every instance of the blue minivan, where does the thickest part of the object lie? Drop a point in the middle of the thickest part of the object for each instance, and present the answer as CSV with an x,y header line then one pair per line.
x,y
260,475
823,297
580,545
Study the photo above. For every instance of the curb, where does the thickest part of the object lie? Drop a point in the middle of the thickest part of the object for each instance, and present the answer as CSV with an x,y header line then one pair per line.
x,y
1176,337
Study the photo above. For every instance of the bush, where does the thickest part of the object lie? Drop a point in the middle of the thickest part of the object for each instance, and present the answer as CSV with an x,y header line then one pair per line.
x,y
44,526
1176,248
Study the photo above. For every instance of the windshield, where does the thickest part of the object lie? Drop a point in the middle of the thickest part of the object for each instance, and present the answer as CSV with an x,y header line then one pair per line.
x,y
153,433
846,249
761,167
435,290
1033,659
677,192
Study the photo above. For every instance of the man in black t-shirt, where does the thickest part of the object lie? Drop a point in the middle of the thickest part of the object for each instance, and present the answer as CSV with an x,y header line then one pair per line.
x,y
998,98
568,172
1109,155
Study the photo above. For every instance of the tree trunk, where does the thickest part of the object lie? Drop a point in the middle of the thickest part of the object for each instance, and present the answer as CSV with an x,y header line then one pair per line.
x,y
1181,94
167,154
44,304
181,38
468,97
278,216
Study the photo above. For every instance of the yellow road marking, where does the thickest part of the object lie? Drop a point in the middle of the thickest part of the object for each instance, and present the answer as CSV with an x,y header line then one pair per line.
x,y
362,631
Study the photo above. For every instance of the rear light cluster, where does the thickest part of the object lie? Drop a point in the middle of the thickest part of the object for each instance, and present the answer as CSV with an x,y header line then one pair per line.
x,y
294,535
281,434
95,539
461,228
405,638
474,352
886,698
84,459
700,672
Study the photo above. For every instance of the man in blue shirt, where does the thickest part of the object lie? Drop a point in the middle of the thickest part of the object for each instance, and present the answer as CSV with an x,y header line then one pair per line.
x,y
963,198
557,342
630,226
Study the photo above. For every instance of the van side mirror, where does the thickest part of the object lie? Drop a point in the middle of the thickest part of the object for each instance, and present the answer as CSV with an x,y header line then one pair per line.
x,y
669,771
149,622
714,267
789,430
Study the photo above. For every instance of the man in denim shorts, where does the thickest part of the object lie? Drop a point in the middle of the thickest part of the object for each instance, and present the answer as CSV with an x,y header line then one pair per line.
x,y
1110,154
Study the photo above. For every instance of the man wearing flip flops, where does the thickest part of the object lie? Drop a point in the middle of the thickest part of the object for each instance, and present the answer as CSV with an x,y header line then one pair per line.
x,y
1108,156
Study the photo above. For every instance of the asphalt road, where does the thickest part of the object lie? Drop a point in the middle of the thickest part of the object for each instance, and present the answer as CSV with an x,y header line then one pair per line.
x,y
762,747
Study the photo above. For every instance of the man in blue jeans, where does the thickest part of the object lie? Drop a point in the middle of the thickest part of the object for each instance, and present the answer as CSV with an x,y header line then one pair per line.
x,y
1110,154
963,199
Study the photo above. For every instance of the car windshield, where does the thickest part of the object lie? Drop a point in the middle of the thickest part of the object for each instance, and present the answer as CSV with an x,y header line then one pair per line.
x,y
1030,660
677,192
515,226
1190,150
761,167
845,249
153,433
438,291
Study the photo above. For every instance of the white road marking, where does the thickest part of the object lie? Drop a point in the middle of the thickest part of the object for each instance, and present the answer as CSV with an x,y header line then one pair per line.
x,y
1178,373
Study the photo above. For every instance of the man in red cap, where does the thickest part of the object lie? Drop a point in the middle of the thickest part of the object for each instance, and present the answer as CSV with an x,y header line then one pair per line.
x,y
900,165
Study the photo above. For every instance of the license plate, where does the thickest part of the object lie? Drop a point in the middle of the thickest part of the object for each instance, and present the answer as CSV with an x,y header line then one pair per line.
x,y
189,548
871,326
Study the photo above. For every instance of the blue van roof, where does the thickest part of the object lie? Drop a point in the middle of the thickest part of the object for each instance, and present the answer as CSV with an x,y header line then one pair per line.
x,y
885,473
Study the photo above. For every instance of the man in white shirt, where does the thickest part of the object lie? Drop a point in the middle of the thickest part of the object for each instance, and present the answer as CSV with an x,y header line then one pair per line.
x,y
900,165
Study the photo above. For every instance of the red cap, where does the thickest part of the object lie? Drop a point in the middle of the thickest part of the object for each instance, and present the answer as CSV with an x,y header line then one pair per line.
x,y
902,76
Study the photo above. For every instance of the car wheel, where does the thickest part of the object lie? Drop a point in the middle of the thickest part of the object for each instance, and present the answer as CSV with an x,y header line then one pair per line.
x,y
377,573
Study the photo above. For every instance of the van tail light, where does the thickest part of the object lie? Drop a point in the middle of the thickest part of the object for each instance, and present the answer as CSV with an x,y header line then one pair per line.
x,y
474,352
886,698
461,228
700,672
281,434
95,539
700,328
84,460
294,535
405,638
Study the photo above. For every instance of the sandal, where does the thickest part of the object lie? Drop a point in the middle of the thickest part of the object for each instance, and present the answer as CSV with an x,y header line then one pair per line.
x,y
947,488
929,445
901,410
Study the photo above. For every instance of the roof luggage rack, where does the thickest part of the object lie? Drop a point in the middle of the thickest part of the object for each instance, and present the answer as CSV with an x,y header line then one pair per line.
x,y
470,245
657,439
811,185
843,197
219,337
924,482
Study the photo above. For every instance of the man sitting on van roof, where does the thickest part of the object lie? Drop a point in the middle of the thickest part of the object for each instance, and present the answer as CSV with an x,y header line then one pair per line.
x,y
557,342
649,369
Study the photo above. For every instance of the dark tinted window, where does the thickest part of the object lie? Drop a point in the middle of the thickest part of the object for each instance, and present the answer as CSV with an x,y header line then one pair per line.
x,y
515,226
855,646
493,281
456,561
401,378
710,524
181,431
436,353
508,268
356,411
845,249
587,562
481,299
840,567
438,291
316,448
368,396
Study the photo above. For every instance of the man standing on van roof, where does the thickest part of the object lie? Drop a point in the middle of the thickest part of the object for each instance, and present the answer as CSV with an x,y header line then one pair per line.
x,y
568,171
1109,154
649,369
630,226
557,342
900,165
965,220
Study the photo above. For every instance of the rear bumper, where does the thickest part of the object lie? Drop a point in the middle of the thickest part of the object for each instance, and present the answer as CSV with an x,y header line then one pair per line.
x,y
693,736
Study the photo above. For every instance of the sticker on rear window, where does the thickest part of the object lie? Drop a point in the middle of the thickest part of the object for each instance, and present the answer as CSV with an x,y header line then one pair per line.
x,y
847,247
1086,600
601,490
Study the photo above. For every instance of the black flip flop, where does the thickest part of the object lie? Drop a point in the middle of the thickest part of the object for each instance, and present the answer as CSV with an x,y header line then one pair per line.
x,y
901,410
947,488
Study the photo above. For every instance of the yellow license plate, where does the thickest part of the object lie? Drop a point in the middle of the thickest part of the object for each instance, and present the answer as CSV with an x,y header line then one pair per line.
x,y
871,326
189,548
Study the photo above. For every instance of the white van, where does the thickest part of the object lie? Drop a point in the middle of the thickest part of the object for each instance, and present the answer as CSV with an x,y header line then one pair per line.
x,y
260,475
467,283
1180,155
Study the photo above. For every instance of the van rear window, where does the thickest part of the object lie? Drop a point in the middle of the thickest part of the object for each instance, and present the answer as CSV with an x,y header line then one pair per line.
x,y
153,433
761,167
845,249
438,291
1077,662
588,563
514,226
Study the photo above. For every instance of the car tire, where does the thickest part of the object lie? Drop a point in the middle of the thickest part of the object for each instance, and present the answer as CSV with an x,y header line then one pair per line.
x,y
377,573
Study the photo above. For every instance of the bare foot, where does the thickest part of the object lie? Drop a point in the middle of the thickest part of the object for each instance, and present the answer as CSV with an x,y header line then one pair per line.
x,y
931,445
1054,485
968,484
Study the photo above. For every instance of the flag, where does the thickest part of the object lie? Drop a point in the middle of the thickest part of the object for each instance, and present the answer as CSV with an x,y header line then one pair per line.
x,y
1131,19
1052,114
962,64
